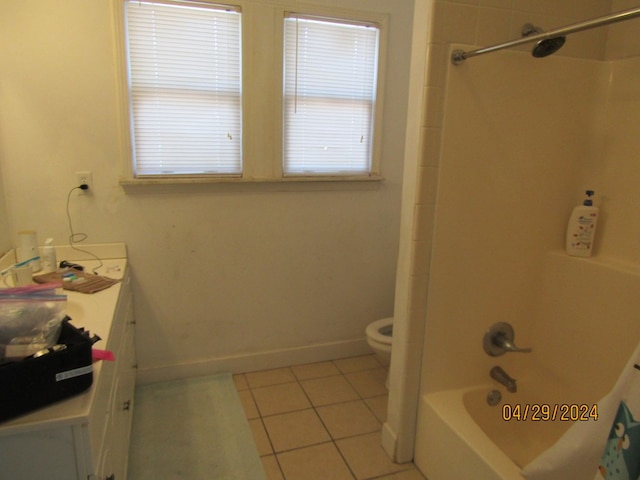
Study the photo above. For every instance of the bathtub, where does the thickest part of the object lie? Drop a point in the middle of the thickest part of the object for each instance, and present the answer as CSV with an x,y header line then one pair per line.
x,y
579,349
468,439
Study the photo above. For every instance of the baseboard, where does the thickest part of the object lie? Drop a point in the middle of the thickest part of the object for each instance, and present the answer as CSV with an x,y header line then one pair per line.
x,y
255,361
389,441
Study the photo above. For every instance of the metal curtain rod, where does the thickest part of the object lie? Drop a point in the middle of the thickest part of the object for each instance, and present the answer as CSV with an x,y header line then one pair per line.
x,y
459,56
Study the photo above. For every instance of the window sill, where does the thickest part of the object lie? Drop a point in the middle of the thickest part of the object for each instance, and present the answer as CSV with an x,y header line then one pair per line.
x,y
289,183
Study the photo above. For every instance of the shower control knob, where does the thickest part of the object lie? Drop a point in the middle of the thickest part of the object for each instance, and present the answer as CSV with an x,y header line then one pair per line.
x,y
499,339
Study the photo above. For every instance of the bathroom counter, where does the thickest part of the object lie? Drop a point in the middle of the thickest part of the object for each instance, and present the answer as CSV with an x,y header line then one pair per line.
x,y
90,419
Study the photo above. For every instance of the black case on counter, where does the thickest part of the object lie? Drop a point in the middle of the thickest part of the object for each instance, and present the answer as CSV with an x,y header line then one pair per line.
x,y
32,383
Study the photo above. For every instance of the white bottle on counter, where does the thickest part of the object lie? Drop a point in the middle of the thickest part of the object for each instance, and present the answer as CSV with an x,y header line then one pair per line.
x,y
27,249
581,229
49,260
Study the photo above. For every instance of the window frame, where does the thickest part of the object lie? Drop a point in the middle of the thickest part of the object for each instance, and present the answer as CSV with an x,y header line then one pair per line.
x,y
154,87
329,98
262,114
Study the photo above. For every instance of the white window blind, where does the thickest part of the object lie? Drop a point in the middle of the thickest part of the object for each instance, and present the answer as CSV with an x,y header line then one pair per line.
x,y
330,76
185,87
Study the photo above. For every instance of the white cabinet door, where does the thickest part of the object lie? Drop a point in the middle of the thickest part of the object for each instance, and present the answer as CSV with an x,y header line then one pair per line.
x,y
56,454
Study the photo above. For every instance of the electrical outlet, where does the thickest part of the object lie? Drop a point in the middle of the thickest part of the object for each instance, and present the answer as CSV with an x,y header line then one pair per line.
x,y
84,178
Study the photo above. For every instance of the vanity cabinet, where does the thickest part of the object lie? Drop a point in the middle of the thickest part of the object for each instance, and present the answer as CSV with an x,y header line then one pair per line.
x,y
85,437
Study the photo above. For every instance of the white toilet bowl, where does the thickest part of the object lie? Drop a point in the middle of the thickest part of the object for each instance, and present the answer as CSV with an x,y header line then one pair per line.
x,y
379,337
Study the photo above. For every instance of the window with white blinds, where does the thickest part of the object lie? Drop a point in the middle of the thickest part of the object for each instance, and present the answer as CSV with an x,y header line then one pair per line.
x,y
330,77
185,88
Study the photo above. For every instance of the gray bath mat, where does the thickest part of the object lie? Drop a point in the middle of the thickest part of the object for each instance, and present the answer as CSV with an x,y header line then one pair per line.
x,y
192,429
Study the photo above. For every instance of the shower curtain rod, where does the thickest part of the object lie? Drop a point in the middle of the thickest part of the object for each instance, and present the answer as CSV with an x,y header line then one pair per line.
x,y
459,56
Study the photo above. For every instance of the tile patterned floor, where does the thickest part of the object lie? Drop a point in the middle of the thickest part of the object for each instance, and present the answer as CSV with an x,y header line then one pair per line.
x,y
321,421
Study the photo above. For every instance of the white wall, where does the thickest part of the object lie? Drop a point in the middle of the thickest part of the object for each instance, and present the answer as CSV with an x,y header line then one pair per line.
x,y
5,237
512,168
522,139
222,274
616,172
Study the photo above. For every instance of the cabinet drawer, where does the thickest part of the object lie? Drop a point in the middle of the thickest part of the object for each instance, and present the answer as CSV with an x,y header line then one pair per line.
x,y
108,400
122,411
29,455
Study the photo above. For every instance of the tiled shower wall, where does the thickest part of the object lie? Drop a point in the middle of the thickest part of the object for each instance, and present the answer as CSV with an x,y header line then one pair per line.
x,y
472,24
478,23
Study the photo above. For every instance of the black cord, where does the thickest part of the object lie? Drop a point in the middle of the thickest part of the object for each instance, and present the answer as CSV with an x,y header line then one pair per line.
x,y
80,236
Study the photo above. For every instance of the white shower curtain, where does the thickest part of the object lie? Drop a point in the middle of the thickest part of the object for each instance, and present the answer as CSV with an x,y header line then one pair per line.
x,y
607,448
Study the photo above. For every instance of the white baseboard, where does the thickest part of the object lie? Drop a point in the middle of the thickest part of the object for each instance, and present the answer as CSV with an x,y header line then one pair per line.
x,y
255,361
389,441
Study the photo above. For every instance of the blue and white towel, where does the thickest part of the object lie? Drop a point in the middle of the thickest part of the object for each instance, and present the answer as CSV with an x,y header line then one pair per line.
x,y
606,449
621,457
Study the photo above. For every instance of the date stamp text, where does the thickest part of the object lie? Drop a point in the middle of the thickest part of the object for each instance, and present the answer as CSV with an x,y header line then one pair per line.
x,y
544,412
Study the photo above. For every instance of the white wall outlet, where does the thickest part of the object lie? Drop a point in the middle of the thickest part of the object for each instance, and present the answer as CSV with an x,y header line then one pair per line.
x,y
84,178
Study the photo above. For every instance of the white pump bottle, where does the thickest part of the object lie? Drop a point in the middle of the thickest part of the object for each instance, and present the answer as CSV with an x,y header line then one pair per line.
x,y
49,261
581,229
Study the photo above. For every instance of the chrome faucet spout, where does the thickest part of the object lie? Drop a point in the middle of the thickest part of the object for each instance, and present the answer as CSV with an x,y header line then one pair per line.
x,y
499,375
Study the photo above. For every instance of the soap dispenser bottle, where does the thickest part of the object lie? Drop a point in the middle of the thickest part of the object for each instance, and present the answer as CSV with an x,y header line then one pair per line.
x,y
49,261
581,229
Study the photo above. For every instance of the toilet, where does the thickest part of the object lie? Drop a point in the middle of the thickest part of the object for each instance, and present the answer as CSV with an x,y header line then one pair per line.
x,y
379,336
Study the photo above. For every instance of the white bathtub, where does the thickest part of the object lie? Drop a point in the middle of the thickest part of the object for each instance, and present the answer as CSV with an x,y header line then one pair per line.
x,y
583,330
468,439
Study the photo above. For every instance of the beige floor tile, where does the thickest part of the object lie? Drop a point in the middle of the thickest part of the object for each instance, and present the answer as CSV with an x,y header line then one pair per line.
x,y
315,370
357,364
271,468
378,406
294,439
329,390
320,462
265,378
367,458
369,383
260,437
240,381
249,406
348,419
295,430
283,398
413,474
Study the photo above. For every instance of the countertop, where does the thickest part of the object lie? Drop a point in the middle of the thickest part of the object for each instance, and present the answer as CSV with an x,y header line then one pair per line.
x,y
95,313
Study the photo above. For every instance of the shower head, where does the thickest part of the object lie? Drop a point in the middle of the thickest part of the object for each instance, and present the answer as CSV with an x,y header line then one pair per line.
x,y
548,43
548,46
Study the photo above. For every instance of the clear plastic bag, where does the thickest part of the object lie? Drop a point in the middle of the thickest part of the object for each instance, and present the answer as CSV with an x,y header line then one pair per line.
x,y
30,320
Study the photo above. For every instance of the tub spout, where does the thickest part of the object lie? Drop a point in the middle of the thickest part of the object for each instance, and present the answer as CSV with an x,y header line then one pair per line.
x,y
498,374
